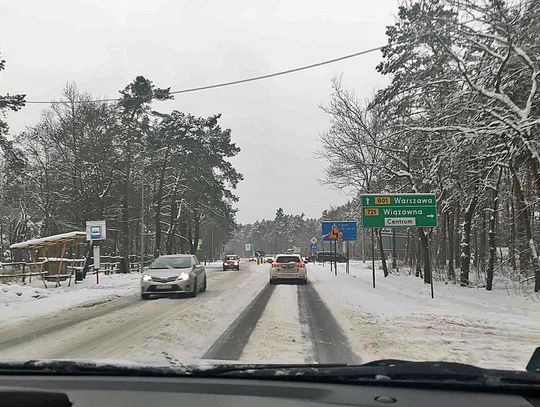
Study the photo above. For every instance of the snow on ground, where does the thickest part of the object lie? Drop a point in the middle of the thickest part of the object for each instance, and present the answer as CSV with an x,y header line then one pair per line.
x,y
279,336
19,302
399,319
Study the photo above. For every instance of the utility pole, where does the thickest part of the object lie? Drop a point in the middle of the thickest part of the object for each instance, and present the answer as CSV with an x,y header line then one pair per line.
x,y
142,220
212,242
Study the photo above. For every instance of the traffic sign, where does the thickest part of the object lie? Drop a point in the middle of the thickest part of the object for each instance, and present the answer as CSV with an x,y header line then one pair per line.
x,y
313,247
338,230
313,240
259,253
399,210
96,230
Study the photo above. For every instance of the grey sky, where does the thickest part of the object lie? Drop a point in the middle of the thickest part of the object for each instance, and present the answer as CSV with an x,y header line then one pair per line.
x,y
103,45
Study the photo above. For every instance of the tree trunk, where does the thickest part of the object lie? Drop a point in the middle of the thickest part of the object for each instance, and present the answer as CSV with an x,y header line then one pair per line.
x,y
457,236
407,250
451,231
418,272
466,242
125,207
512,247
524,240
172,223
159,202
381,252
196,230
394,259
483,242
443,237
492,233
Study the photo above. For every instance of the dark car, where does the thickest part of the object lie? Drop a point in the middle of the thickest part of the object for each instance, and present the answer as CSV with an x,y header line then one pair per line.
x,y
322,257
232,262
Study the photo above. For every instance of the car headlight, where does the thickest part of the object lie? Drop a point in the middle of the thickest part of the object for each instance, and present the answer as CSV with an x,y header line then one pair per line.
x,y
183,276
146,277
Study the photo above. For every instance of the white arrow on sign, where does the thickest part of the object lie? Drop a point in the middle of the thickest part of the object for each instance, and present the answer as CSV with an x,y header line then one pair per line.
x,y
367,200
430,216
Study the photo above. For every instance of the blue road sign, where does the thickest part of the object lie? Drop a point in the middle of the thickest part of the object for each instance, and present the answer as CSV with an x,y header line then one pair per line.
x,y
313,247
259,253
346,229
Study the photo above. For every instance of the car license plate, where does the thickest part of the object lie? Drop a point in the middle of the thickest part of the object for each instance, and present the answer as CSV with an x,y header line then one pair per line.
x,y
164,287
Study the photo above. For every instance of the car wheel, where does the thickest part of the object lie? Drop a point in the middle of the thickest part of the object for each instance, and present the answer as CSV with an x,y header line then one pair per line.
x,y
194,292
273,282
238,268
223,268
203,288
145,296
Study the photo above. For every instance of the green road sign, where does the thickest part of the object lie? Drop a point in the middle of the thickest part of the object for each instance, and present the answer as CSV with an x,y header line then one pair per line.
x,y
399,210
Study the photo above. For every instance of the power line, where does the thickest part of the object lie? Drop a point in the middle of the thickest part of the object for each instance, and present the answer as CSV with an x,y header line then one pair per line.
x,y
223,84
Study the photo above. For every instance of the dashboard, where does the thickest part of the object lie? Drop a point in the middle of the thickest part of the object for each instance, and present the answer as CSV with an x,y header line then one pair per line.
x,y
92,391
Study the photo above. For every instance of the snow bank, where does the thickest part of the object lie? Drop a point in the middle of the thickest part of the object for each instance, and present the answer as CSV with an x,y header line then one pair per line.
x,y
398,319
18,302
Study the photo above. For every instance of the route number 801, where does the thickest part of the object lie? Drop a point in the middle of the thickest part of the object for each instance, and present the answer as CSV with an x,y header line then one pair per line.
x,y
382,200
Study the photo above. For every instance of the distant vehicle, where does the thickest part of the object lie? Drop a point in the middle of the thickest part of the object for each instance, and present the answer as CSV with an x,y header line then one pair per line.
x,y
311,259
231,261
330,256
174,274
288,267
252,259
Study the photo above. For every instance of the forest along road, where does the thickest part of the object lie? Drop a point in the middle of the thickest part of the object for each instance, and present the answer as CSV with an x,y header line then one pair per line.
x,y
155,331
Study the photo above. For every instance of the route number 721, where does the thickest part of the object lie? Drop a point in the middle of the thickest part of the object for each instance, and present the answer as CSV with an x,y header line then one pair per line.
x,y
371,211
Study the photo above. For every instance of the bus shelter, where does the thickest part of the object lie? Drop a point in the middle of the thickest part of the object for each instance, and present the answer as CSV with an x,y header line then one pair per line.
x,y
44,250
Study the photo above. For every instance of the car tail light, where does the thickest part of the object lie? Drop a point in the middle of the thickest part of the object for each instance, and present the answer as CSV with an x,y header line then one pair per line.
x,y
299,265
274,264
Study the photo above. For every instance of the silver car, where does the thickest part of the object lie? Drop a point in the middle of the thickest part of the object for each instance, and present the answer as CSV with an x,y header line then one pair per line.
x,y
174,274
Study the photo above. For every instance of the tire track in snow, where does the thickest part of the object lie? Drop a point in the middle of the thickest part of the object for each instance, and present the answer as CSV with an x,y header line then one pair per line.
x,y
231,343
329,341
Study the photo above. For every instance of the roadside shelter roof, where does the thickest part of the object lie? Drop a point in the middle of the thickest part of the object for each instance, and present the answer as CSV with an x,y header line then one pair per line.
x,y
49,241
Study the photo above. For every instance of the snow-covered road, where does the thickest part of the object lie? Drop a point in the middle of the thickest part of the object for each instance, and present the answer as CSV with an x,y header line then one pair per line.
x,y
339,319
132,329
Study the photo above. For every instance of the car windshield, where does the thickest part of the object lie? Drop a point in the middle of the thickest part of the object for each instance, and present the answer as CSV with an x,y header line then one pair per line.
x,y
171,263
270,182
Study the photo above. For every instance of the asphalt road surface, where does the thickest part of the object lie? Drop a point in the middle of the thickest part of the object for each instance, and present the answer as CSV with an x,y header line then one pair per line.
x,y
240,317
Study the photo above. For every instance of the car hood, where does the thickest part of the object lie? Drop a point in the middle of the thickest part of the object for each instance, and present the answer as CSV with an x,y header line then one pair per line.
x,y
164,273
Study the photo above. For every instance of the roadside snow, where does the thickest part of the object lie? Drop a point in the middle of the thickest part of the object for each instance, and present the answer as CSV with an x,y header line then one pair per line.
x,y
19,302
279,337
398,319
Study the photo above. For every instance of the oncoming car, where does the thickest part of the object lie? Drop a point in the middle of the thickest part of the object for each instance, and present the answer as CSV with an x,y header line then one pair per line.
x,y
231,261
174,274
288,267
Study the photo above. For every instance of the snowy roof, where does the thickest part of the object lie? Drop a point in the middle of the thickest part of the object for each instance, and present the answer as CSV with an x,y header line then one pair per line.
x,y
69,237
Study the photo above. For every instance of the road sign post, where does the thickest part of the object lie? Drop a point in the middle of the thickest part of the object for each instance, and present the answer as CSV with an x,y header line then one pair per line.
x,y
373,256
96,231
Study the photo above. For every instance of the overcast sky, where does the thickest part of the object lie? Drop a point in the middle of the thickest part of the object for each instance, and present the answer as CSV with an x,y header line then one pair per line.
x,y
103,45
